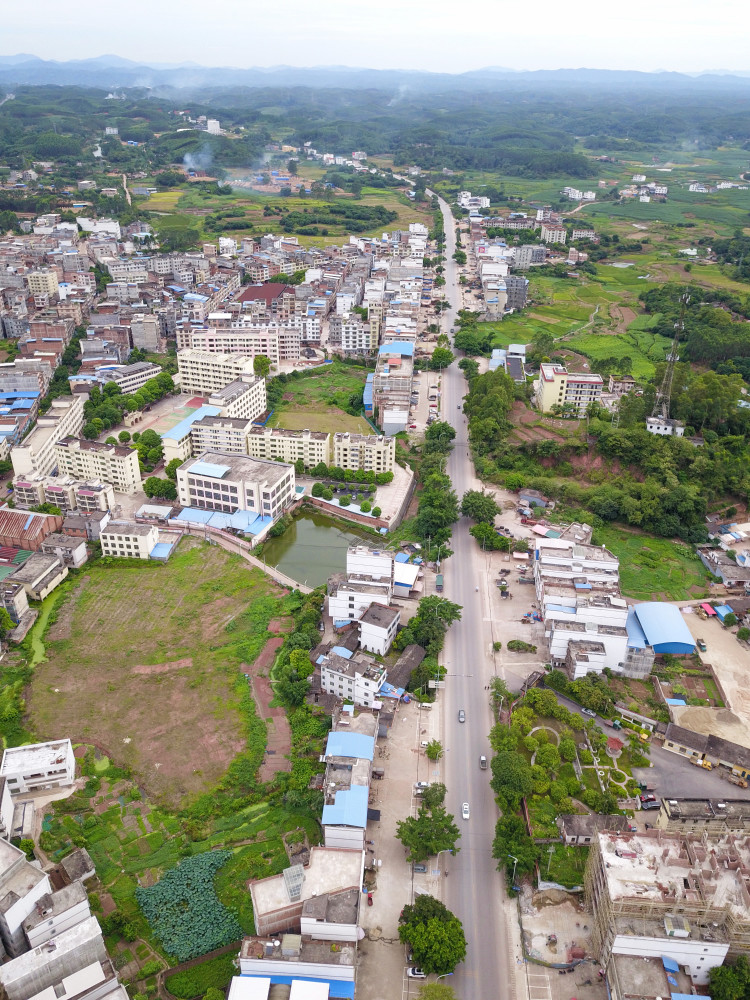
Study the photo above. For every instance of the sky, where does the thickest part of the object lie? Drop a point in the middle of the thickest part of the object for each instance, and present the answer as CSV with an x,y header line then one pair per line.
x,y
439,35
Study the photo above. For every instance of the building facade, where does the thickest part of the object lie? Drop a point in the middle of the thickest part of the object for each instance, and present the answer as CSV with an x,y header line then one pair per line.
x,y
99,461
558,388
224,482
36,454
202,373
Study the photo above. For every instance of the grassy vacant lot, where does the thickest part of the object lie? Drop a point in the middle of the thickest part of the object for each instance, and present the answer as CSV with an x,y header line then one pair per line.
x,y
654,569
144,663
565,866
317,402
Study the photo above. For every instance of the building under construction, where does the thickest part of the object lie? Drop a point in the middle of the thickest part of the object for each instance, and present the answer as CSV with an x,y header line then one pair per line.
x,y
681,900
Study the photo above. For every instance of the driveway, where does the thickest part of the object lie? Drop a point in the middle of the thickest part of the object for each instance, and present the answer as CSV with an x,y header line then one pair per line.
x,y
674,777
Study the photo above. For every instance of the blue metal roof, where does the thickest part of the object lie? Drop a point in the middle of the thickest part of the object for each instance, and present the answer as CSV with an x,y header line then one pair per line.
x,y
355,745
397,347
349,807
402,557
664,628
342,651
182,429
636,635
209,469
367,391
669,964
161,550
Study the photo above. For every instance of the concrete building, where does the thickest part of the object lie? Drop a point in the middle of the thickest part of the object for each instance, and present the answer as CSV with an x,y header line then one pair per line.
x,y
348,757
55,913
277,343
36,453
370,452
220,434
72,551
349,596
378,627
43,283
664,427
550,233
97,460
64,492
314,899
681,899
556,388
129,378
698,747
224,482
40,574
282,445
128,540
715,817
38,766
243,399
19,530
146,333
22,885
351,677
202,373
527,255
6,810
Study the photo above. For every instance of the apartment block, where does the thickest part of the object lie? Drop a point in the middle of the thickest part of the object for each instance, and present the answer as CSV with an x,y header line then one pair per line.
x,y
378,627
129,378
550,233
351,677
371,452
43,283
203,373
41,574
64,492
146,332
281,445
557,387
245,398
220,434
36,453
38,766
95,460
128,540
224,482
525,256
276,343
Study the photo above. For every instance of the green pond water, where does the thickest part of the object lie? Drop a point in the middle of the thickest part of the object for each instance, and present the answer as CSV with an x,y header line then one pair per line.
x,y
312,548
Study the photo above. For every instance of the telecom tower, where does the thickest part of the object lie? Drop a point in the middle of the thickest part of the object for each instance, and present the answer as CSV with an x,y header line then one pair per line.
x,y
659,422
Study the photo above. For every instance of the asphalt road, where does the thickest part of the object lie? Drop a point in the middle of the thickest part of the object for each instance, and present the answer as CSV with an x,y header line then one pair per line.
x,y
474,889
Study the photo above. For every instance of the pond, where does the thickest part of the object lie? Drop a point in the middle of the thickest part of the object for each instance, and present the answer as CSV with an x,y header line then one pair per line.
x,y
313,547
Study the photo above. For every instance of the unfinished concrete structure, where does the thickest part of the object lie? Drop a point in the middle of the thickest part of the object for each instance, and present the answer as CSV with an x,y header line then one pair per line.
x,y
657,894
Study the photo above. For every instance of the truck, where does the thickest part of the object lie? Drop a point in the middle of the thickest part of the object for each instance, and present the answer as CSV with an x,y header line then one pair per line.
x,y
702,763
615,723
439,583
701,645
524,579
736,779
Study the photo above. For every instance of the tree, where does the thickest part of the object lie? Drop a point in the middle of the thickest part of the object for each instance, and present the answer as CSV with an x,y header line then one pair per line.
x,y
6,623
488,538
162,488
292,167
480,506
91,431
743,634
427,833
261,365
365,507
515,481
320,471
434,933
513,841
123,437
567,749
511,774
441,358
172,467
730,982
436,991
46,508
548,757
730,619
376,511
299,467
434,796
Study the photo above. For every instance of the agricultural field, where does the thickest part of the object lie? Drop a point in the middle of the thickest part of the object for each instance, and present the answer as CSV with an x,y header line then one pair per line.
x,y
654,569
144,663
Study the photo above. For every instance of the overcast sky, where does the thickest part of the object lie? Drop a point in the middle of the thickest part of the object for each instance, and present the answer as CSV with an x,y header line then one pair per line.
x,y
440,35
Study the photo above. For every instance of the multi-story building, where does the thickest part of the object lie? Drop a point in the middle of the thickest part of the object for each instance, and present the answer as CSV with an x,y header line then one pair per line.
x,y
220,434
516,290
129,540
36,453
277,343
525,256
224,482
281,445
22,885
203,373
39,766
146,332
371,452
556,387
351,677
715,817
64,492
96,460
550,233
43,283
679,899
245,398
129,378
378,627
350,334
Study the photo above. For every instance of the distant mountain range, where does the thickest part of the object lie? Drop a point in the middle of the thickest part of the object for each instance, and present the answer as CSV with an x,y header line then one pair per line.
x,y
113,72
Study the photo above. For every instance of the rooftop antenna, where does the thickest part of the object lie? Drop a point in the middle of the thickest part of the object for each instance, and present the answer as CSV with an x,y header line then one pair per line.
x,y
664,392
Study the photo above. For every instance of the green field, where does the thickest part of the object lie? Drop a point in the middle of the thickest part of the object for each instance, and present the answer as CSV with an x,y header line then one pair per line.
x,y
318,401
654,569
327,419
563,864
644,348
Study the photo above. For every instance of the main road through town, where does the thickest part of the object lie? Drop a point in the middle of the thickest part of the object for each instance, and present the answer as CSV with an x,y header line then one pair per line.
x,y
474,889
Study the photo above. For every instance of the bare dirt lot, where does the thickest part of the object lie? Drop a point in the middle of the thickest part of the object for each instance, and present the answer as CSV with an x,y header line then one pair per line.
x,y
131,666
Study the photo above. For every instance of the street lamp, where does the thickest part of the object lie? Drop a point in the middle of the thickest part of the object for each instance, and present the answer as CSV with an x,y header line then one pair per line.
x,y
443,976
513,876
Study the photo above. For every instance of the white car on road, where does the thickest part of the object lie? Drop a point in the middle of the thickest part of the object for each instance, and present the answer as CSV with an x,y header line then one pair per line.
x,y
465,810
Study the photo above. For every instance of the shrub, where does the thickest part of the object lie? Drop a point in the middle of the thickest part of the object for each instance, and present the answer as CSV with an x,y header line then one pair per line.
x,y
376,511
518,646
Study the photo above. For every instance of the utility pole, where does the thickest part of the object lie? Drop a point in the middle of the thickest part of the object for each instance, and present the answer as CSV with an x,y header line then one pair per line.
x,y
664,392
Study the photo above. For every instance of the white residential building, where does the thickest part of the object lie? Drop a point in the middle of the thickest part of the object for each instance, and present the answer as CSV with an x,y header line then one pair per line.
x,y
557,387
129,540
6,799
277,343
109,463
55,913
22,885
203,373
351,677
378,627
224,482
36,453
281,445
551,233
129,378
244,399
38,766
666,427
371,452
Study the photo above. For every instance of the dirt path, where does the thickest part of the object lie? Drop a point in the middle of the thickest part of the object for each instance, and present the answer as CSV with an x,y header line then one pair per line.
x,y
278,732
623,316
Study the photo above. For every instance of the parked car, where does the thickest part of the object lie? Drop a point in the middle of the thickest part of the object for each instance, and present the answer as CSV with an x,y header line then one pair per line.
x,y
465,810
412,427
588,711
648,798
415,973
461,715
419,869
483,762
422,784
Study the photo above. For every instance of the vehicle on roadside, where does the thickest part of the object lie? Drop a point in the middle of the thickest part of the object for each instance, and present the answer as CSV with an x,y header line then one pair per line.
x,y
422,784
465,810
648,797
706,764
589,712
419,869
461,715
656,804
483,762
416,973
737,780
702,645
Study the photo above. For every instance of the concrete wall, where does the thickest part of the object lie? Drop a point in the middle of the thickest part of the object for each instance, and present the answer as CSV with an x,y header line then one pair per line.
x,y
282,967
698,956
320,930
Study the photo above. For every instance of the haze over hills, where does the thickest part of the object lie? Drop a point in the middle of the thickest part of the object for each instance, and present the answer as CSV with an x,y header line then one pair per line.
x,y
112,71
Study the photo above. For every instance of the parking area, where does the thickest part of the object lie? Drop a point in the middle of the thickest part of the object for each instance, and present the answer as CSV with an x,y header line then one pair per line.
x,y
382,957
673,776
